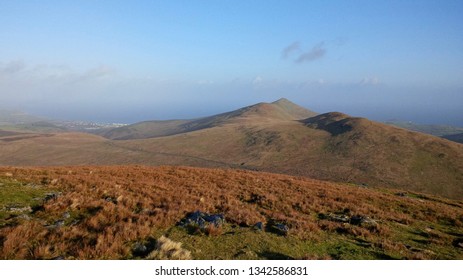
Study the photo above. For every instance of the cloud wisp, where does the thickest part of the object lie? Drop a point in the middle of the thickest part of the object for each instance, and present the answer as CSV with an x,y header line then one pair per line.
x,y
12,67
317,52
293,47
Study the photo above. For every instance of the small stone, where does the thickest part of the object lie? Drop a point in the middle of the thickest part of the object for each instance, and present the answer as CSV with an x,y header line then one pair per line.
x,y
50,196
59,223
24,217
458,243
369,223
356,220
259,226
339,218
277,228
139,249
18,209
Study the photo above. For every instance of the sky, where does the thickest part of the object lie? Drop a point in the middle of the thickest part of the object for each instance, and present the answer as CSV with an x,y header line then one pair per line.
x,y
128,61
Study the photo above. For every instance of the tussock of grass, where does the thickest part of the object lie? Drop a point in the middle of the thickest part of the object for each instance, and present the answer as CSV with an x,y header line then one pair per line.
x,y
167,249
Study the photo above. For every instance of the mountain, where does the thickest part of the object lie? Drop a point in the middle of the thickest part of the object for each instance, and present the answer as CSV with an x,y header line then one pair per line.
x,y
121,212
266,137
281,109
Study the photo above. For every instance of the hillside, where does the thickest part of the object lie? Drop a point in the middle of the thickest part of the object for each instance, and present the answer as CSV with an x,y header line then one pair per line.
x,y
331,146
281,109
119,212
266,137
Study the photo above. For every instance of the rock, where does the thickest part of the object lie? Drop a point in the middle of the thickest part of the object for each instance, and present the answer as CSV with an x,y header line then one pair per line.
x,y
216,219
401,194
139,249
57,224
24,217
259,226
66,215
458,243
277,227
50,196
202,220
356,220
18,209
338,218
111,199
363,221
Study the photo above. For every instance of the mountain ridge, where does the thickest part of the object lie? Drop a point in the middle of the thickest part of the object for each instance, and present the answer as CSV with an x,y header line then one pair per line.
x,y
264,137
282,109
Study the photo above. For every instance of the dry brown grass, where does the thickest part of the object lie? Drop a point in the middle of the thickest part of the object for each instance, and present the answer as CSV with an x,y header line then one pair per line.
x,y
112,207
167,249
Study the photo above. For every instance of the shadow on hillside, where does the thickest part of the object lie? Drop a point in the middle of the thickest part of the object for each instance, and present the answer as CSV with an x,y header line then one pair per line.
x,y
274,256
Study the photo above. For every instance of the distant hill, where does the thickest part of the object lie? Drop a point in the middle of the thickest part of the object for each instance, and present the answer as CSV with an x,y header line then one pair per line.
x,y
455,137
266,137
15,117
433,129
451,133
281,109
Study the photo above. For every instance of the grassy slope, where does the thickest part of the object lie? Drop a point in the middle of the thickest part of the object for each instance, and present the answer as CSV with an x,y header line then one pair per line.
x,y
368,153
102,212
281,109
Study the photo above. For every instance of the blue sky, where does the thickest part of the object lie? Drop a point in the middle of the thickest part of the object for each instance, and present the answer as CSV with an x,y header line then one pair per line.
x,y
134,60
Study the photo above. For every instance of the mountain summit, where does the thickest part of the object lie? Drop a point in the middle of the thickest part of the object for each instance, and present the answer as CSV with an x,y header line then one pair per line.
x,y
280,110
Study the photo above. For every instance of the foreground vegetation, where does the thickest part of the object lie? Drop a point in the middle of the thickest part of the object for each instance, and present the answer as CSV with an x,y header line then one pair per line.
x,y
123,212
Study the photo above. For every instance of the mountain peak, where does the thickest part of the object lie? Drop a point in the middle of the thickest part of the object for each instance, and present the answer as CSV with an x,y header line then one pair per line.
x,y
296,111
283,101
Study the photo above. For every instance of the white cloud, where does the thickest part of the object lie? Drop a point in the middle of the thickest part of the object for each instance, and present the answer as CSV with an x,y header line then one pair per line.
x,y
370,81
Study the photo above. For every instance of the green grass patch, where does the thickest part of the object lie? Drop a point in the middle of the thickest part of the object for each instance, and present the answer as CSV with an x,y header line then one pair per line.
x,y
17,198
246,243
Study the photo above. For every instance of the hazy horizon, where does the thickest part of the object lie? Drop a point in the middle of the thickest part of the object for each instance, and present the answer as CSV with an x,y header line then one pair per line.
x,y
143,60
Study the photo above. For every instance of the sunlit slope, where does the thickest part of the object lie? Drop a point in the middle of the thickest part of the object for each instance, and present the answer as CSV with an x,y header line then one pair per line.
x,y
332,146
281,109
